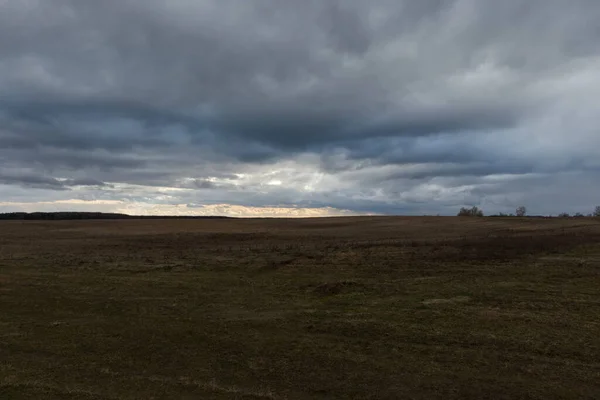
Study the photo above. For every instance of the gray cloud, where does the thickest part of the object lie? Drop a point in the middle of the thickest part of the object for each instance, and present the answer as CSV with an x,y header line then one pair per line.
x,y
383,106
44,182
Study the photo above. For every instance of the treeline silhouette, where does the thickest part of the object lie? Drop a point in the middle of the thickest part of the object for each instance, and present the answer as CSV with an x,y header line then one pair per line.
x,y
71,215
521,211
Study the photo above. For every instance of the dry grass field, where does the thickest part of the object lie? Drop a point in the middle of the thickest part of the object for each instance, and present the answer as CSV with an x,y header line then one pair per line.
x,y
340,308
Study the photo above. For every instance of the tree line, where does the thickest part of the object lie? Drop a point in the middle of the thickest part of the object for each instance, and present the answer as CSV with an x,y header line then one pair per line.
x,y
521,211
74,215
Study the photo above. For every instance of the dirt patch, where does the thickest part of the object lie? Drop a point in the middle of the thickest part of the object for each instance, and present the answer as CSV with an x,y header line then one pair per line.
x,y
497,314
333,288
451,300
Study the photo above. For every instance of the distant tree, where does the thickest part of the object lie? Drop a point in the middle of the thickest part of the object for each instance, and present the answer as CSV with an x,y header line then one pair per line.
x,y
521,211
470,212
597,211
563,215
579,215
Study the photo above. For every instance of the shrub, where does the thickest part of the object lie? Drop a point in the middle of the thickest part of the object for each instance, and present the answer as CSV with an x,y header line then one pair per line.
x,y
470,212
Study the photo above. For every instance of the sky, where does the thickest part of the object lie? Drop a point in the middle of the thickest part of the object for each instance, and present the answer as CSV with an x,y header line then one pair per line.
x,y
299,108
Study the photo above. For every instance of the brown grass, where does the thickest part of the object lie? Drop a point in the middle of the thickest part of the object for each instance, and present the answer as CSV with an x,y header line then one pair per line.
x,y
338,308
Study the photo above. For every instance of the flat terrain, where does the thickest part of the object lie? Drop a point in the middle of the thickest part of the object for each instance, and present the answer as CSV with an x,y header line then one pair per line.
x,y
363,308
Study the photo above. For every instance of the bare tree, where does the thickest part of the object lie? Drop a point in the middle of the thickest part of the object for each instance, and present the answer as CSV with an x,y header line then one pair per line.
x,y
521,211
597,212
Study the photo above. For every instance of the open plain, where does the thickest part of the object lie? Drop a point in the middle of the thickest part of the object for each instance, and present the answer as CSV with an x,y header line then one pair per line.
x,y
336,308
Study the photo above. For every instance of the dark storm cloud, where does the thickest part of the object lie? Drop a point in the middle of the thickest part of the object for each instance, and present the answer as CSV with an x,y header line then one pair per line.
x,y
44,182
33,182
380,97
250,70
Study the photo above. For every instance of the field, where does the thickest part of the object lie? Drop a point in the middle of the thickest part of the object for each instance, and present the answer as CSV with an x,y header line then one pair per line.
x,y
339,308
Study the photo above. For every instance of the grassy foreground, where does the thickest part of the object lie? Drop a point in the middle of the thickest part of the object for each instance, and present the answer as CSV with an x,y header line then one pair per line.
x,y
364,308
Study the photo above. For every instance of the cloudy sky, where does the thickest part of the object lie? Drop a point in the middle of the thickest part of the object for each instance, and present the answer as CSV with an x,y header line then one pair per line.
x,y
299,108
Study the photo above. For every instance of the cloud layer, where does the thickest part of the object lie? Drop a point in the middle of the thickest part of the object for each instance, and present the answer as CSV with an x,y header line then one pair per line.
x,y
324,106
